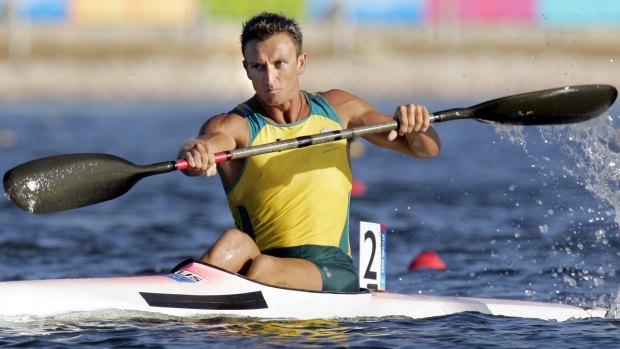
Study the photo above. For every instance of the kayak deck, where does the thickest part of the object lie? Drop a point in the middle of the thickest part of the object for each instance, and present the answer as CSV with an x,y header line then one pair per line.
x,y
197,289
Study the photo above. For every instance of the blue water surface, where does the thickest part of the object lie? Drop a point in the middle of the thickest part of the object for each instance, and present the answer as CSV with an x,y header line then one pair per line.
x,y
520,213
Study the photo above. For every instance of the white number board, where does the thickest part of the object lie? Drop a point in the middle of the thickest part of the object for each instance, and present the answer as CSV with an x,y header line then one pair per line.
x,y
372,256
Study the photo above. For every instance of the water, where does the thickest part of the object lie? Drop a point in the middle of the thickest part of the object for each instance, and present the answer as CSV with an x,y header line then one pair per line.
x,y
515,213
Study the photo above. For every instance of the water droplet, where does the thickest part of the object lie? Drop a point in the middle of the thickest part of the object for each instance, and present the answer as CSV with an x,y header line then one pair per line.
x,y
569,280
544,229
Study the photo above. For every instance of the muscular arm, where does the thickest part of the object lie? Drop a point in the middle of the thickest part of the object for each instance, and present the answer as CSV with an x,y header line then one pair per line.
x,y
221,132
415,137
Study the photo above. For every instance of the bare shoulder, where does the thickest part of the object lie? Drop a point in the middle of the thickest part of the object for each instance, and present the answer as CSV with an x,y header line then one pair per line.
x,y
223,123
352,110
338,97
229,125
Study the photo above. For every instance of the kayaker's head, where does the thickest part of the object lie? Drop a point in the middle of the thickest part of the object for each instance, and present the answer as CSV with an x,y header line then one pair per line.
x,y
272,50
265,25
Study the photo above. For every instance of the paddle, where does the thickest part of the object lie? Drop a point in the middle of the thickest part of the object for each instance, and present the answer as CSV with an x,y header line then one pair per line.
x,y
70,181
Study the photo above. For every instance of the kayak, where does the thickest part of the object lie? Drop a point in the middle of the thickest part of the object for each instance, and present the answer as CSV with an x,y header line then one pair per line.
x,y
196,289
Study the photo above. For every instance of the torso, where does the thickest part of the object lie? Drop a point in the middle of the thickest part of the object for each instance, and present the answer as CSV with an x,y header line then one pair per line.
x,y
280,197
229,170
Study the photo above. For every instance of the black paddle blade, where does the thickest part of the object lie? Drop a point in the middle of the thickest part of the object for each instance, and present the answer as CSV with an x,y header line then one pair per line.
x,y
70,181
564,105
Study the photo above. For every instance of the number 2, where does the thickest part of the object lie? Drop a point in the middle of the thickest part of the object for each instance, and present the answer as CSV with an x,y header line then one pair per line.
x,y
368,274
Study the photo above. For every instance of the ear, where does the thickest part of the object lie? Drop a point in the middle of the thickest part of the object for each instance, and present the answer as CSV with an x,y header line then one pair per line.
x,y
301,63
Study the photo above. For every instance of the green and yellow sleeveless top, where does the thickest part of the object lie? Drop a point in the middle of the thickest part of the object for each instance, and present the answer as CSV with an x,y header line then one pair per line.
x,y
295,197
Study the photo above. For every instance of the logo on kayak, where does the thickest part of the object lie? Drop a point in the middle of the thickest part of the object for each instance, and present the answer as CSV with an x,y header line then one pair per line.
x,y
186,276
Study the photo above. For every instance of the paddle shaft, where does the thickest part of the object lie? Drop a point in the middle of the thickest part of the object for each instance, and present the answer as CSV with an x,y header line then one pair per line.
x,y
324,137
305,141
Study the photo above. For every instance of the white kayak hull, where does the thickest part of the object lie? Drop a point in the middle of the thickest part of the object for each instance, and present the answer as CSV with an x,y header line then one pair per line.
x,y
197,290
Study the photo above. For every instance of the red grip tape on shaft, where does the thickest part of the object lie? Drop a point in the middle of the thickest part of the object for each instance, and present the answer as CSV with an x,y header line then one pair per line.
x,y
219,157
181,165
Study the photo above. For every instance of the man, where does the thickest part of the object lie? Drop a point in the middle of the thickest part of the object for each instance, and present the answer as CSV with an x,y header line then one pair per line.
x,y
291,208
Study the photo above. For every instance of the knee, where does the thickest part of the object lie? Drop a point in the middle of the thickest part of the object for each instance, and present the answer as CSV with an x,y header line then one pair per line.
x,y
235,239
232,244
237,236
260,266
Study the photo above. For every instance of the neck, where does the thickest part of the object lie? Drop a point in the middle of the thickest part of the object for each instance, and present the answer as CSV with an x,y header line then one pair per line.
x,y
286,113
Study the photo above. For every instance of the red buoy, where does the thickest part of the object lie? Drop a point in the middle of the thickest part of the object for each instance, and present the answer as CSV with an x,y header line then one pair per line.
x,y
359,188
427,259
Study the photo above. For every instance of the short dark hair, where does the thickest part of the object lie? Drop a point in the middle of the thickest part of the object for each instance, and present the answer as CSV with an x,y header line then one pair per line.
x,y
264,25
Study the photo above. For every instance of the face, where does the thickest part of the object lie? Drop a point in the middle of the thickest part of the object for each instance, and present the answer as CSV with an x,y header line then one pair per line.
x,y
274,68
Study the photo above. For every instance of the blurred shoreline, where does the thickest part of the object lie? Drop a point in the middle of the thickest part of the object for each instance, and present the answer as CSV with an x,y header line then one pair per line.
x,y
408,63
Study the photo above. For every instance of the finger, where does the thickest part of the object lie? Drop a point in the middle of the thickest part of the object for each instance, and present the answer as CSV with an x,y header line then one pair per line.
x,y
392,135
194,157
401,116
418,116
210,166
427,120
412,115
211,171
190,159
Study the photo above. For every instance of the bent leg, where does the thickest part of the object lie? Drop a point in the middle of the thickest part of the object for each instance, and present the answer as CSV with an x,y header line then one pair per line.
x,y
237,252
233,251
286,272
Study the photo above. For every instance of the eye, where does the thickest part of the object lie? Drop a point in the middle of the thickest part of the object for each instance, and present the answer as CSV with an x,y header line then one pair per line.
x,y
280,64
256,66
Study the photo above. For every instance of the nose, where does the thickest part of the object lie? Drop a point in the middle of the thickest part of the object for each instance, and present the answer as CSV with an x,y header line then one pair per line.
x,y
271,75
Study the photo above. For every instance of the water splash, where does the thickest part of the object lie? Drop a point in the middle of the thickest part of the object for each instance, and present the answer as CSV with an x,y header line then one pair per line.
x,y
594,147
513,133
588,156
